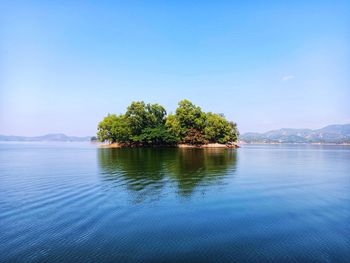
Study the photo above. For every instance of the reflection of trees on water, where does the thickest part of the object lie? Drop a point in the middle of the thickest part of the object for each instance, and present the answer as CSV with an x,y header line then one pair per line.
x,y
145,171
200,166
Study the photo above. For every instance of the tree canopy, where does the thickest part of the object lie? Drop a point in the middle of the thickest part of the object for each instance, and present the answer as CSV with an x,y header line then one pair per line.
x,y
149,124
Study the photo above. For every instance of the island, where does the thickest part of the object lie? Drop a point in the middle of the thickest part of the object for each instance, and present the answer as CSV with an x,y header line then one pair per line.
x,y
147,125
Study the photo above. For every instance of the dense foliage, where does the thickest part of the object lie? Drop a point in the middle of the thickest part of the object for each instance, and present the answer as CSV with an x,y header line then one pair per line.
x,y
149,124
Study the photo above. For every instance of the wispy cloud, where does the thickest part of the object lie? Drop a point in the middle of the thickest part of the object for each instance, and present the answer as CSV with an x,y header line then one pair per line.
x,y
287,78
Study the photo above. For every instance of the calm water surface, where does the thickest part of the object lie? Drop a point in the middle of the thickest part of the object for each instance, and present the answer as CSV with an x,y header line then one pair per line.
x,y
74,202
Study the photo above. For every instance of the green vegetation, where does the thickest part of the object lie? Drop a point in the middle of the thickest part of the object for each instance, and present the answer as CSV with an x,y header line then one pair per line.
x,y
148,124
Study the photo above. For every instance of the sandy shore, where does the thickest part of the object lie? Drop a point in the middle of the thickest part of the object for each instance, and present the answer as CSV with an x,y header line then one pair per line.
x,y
110,145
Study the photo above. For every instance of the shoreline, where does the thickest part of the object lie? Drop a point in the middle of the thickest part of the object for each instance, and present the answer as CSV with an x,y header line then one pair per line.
x,y
204,146
214,145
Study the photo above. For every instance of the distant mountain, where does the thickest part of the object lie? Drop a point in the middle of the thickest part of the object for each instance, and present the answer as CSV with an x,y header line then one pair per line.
x,y
329,134
56,137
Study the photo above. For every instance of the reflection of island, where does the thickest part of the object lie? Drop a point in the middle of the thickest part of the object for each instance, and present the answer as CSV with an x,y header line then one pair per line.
x,y
148,170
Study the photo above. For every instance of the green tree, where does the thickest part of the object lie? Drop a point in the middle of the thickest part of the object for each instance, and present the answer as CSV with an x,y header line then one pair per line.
x,y
234,131
157,115
137,117
190,116
104,128
141,116
121,130
218,129
114,128
173,126
156,136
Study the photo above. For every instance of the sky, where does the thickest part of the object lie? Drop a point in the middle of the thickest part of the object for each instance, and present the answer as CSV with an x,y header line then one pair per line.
x,y
266,65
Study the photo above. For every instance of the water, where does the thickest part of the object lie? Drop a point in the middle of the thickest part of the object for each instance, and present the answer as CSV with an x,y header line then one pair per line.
x,y
75,202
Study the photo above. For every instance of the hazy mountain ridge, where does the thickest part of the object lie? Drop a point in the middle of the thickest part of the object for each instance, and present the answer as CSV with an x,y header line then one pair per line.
x,y
329,134
57,137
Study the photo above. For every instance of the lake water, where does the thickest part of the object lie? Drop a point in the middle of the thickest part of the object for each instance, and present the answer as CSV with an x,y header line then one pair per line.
x,y
75,202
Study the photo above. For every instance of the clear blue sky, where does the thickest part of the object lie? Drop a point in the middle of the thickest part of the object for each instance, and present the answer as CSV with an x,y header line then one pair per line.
x,y
264,64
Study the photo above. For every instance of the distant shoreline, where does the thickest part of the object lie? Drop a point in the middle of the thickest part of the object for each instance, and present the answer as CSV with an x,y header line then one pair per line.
x,y
294,143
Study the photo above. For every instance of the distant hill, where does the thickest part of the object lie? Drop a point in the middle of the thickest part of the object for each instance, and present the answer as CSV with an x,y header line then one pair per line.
x,y
329,134
56,137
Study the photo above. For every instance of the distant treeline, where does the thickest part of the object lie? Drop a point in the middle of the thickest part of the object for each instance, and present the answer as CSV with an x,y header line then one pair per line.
x,y
149,124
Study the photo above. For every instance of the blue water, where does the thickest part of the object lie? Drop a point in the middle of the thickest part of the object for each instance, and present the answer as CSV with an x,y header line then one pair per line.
x,y
75,202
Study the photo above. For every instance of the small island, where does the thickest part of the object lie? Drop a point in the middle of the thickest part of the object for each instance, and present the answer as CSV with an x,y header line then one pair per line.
x,y
147,125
